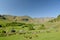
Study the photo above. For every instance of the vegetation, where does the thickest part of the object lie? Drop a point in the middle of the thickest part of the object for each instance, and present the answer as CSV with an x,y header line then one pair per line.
x,y
42,27
26,28
31,27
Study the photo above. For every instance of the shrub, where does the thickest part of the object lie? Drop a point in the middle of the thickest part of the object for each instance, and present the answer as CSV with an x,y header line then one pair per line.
x,y
42,26
26,25
30,37
31,27
36,35
13,31
4,18
3,31
0,25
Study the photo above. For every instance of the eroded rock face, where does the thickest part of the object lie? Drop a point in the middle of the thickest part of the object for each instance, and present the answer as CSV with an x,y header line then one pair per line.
x,y
25,19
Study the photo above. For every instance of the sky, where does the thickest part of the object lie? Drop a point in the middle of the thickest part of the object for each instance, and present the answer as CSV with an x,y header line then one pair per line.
x,y
33,8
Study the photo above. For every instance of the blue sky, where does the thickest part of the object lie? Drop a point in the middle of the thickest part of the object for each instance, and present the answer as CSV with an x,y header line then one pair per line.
x,y
33,8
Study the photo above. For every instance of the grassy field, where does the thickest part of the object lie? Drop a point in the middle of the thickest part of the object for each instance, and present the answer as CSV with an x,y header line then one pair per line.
x,y
41,36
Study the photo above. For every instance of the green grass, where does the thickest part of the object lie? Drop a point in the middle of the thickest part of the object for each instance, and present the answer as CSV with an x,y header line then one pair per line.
x,y
41,36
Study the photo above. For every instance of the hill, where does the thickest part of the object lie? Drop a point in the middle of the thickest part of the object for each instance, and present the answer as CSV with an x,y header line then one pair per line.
x,y
11,18
28,28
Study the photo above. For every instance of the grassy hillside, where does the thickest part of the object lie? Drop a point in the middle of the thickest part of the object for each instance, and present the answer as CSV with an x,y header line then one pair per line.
x,y
24,19
27,28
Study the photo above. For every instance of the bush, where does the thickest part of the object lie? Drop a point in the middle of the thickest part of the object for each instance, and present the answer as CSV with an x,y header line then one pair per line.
x,y
0,25
4,18
42,26
3,33
26,25
31,27
13,31
30,37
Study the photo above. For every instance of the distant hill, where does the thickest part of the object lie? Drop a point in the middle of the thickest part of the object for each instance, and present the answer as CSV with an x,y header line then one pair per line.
x,y
42,20
57,19
24,19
